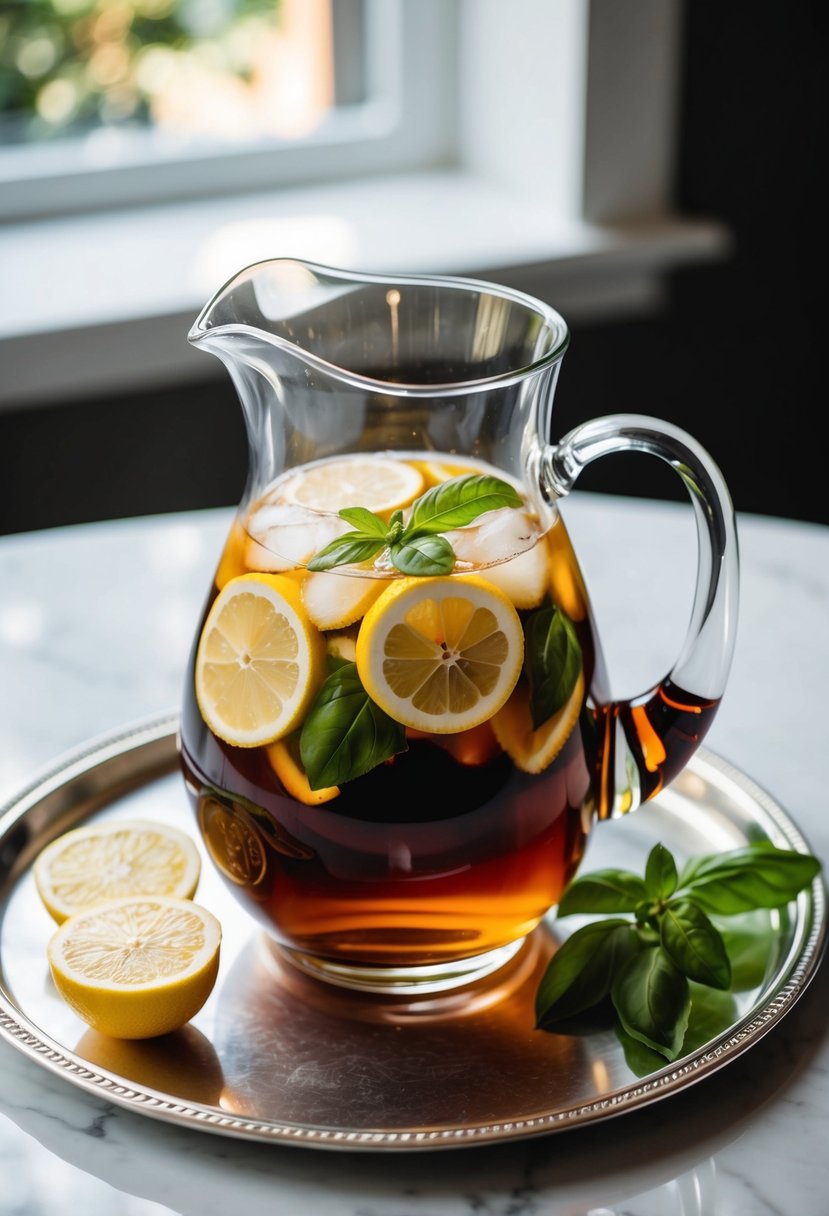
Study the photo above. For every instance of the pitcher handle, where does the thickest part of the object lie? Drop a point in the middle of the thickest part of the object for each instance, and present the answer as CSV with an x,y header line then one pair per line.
x,y
650,738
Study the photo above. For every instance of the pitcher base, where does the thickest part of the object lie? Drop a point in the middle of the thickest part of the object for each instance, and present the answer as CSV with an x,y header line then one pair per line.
x,y
405,981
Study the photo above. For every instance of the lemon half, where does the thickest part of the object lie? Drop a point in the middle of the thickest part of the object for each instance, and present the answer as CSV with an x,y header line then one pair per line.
x,y
440,654
135,968
104,861
260,660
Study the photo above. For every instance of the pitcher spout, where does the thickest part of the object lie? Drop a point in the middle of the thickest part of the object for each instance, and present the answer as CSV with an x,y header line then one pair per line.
x,y
397,330
329,362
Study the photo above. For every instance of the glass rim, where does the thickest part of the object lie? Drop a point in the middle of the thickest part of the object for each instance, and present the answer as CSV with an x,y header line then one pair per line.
x,y
201,331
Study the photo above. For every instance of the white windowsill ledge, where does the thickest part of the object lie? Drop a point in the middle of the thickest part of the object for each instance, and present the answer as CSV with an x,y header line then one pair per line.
x,y
102,303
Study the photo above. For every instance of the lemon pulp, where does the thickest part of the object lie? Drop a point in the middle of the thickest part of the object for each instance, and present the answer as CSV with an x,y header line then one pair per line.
x,y
440,654
136,968
259,661
90,865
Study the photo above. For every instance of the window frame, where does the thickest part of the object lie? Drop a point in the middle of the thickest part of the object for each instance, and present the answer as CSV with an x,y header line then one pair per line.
x,y
577,212
398,126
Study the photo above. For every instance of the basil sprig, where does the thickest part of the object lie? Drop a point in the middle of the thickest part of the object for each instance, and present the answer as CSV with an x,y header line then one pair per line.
x,y
416,547
345,734
653,967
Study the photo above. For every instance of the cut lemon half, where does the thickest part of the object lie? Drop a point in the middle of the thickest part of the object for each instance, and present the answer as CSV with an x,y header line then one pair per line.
x,y
135,968
260,660
91,865
378,483
335,601
534,750
285,761
440,654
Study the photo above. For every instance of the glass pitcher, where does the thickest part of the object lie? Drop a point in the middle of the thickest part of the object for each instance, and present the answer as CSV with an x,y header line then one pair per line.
x,y
397,728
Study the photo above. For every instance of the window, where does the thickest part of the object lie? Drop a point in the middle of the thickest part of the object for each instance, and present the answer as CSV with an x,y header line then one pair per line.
x,y
527,141
123,102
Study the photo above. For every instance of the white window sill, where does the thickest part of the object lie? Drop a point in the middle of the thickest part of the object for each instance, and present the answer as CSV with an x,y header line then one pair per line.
x,y
102,303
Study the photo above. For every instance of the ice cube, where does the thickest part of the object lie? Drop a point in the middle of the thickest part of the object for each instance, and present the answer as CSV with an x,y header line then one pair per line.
x,y
494,536
283,536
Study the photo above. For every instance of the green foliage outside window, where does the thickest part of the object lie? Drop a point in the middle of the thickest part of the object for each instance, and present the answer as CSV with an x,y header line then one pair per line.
x,y
68,66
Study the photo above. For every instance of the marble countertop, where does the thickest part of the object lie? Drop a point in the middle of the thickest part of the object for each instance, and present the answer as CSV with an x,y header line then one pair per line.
x,y
95,625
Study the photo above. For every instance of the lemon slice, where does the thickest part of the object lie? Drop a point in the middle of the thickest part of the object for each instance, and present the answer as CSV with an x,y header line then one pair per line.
x,y
335,601
378,483
104,861
260,660
286,763
438,471
440,654
534,750
134,968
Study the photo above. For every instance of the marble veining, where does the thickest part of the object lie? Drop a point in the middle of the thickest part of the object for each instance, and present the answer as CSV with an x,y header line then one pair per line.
x,y
95,623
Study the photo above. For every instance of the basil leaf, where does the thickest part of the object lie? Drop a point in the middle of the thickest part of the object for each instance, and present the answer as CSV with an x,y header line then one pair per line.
x,y
553,661
345,734
750,948
423,555
350,549
364,521
694,944
603,891
758,876
640,1059
711,1013
455,503
582,970
653,1001
660,873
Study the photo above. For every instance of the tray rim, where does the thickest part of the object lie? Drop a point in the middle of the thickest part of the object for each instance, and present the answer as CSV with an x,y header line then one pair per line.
x,y
795,976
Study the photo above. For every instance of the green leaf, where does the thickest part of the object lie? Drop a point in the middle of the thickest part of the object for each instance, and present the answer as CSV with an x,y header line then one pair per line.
x,y
750,946
711,1013
553,661
603,891
640,1059
423,555
365,521
350,549
345,734
652,999
758,876
582,970
660,873
694,944
457,502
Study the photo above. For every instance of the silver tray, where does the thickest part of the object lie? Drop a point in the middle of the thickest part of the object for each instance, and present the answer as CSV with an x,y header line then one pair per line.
x,y
274,1056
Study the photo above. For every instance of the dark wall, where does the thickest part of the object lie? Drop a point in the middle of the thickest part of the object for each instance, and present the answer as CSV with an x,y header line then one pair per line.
x,y
737,357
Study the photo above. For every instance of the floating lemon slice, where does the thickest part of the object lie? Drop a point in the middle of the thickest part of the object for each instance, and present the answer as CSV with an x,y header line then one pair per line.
x,y
335,601
438,471
440,654
285,761
260,660
378,483
534,750
91,865
135,968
